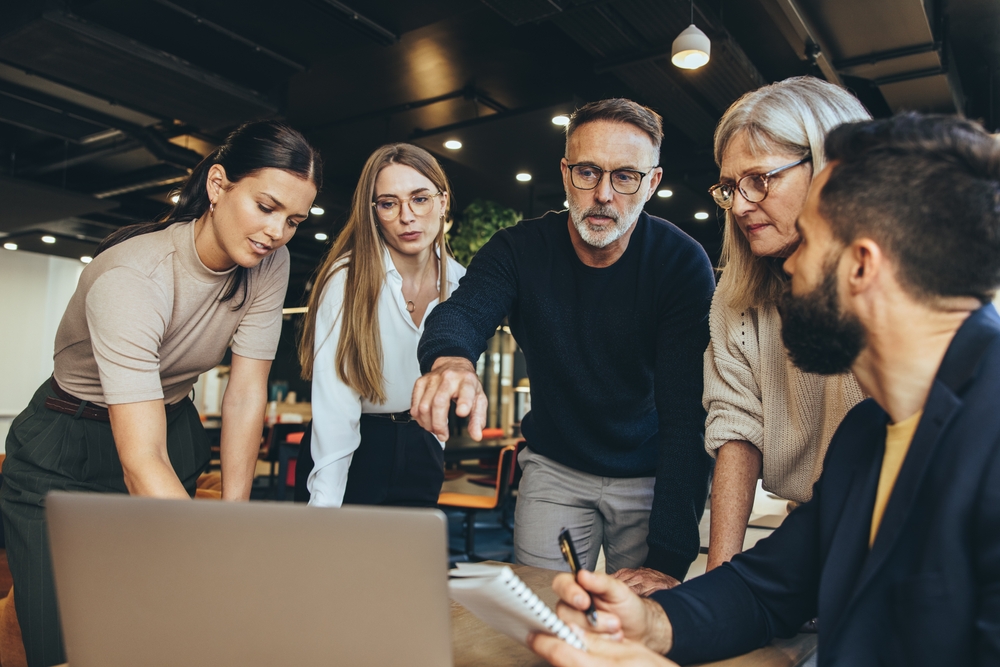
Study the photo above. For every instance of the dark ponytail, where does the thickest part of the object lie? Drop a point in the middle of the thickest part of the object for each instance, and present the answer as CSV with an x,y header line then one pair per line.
x,y
251,147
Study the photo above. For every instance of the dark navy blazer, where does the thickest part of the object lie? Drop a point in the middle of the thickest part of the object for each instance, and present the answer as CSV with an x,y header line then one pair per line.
x,y
928,591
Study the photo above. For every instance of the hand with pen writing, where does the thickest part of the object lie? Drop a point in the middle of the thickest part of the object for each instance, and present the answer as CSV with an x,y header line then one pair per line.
x,y
629,630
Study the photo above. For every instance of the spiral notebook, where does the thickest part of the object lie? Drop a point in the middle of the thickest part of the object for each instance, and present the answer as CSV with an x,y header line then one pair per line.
x,y
500,599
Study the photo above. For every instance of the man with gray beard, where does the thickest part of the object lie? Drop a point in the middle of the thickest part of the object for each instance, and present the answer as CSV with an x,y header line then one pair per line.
x,y
610,306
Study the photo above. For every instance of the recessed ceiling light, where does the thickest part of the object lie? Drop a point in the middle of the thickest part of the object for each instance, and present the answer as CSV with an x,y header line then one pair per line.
x,y
560,120
10,246
48,239
320,236
701,215
175,198
524,177
665,193
86,259
317,210
453,144
566,203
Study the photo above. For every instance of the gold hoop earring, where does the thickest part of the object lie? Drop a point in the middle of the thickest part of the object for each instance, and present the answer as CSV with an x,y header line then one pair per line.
x,y
211,208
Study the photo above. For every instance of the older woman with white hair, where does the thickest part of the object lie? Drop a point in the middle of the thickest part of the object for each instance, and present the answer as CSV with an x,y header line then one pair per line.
x,y
766,418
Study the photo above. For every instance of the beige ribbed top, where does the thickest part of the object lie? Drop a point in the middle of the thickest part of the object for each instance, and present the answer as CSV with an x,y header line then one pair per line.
x,y
753,392
146,320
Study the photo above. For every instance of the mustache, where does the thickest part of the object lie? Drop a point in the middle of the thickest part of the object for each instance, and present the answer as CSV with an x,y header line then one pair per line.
x,y
600,211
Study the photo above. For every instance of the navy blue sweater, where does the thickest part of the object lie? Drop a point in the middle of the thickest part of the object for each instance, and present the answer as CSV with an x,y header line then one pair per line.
x,y
614,355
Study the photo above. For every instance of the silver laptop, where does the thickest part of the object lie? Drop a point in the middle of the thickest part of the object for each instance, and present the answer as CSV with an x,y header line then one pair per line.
x,y
207,583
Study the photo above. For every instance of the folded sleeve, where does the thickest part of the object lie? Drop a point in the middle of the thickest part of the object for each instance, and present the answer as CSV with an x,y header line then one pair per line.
x,y
732,397
127,316
257,335
336,407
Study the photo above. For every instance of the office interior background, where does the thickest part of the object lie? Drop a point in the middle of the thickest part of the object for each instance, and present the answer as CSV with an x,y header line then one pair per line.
x,y
105,105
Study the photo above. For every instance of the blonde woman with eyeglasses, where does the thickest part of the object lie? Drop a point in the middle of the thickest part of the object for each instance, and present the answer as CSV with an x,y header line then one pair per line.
x,y
385,273
766,418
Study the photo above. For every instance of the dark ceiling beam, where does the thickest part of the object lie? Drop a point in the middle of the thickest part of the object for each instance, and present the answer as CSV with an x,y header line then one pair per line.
x,y
381,34
909,76
882,56
803,38
55,163
480,120
245,41
469,93
157,183
167,61
152,140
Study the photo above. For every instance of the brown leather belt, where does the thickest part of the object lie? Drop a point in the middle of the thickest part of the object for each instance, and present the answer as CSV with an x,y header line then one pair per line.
x,y
68,404
398,417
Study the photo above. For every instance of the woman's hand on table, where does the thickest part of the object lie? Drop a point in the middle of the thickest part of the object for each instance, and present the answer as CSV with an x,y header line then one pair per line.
x,y
644,580
601,651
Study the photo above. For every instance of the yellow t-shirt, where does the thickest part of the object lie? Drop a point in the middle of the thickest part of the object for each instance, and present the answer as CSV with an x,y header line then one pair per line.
x,y
897,442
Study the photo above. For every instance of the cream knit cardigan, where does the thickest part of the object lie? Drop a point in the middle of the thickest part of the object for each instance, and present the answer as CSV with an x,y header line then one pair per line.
x,y
753,392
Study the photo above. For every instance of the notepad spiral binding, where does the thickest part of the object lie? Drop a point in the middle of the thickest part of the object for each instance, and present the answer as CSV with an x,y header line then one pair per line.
x,y
546,616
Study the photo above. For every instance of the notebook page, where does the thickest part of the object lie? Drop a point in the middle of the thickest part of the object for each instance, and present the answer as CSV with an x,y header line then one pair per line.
x,y
502,601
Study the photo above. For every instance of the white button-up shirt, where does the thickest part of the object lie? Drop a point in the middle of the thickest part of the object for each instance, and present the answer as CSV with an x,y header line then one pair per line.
x,y
336,407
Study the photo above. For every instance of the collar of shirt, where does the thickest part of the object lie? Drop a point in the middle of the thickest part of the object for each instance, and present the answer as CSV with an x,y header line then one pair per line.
x,y
394,283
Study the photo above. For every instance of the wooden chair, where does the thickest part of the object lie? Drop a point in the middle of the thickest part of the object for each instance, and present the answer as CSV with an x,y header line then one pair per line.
x,y
474,503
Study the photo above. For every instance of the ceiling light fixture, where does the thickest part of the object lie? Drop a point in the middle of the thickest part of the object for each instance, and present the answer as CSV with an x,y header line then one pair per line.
x,y
175,198
48,239
317,210
560,120
701,215
320,236
665,193
10,246
692,47
524,177
86,259
453,144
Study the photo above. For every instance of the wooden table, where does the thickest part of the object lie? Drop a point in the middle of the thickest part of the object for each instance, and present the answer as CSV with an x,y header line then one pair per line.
x,y
475,644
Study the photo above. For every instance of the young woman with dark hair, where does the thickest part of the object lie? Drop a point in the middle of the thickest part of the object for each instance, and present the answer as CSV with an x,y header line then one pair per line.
x,y
388,269
158,306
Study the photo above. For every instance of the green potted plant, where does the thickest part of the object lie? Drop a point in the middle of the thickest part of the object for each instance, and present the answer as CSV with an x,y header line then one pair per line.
x,y
480,220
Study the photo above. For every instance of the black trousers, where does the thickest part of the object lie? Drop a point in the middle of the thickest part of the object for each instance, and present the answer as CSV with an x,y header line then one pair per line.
x,y
49,451
398,464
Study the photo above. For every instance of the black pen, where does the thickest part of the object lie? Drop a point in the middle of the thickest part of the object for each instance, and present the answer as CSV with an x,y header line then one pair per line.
x,y
569,555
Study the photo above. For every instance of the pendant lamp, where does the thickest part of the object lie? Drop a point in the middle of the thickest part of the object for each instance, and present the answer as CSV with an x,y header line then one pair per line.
x,y
692,47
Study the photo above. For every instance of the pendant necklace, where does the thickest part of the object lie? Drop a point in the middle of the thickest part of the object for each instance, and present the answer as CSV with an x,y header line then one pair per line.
x,y
410,306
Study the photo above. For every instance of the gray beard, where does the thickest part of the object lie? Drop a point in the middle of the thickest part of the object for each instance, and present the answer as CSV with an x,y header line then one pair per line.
x,y
602,237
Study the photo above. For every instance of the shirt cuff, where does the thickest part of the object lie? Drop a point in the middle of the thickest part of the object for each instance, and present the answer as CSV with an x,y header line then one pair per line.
x,y
667,562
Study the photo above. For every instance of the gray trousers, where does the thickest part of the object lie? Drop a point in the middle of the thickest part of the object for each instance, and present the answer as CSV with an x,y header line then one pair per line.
x,y
612,512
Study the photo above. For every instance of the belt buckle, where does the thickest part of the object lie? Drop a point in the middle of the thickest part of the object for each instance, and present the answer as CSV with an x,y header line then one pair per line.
x,y
399,418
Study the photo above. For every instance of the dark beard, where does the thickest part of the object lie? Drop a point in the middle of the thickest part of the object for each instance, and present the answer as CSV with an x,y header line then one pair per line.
x,y
819,338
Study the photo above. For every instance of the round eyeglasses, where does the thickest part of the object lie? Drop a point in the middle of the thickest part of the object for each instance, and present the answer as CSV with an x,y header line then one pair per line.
x,y
588,177
753,187
389,208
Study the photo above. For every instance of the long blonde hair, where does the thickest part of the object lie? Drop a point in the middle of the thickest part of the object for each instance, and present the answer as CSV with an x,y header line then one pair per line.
x,y
359,250
791,116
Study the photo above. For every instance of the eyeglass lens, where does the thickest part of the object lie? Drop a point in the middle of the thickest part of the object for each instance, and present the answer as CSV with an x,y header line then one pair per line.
x,y
587,177
389,208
